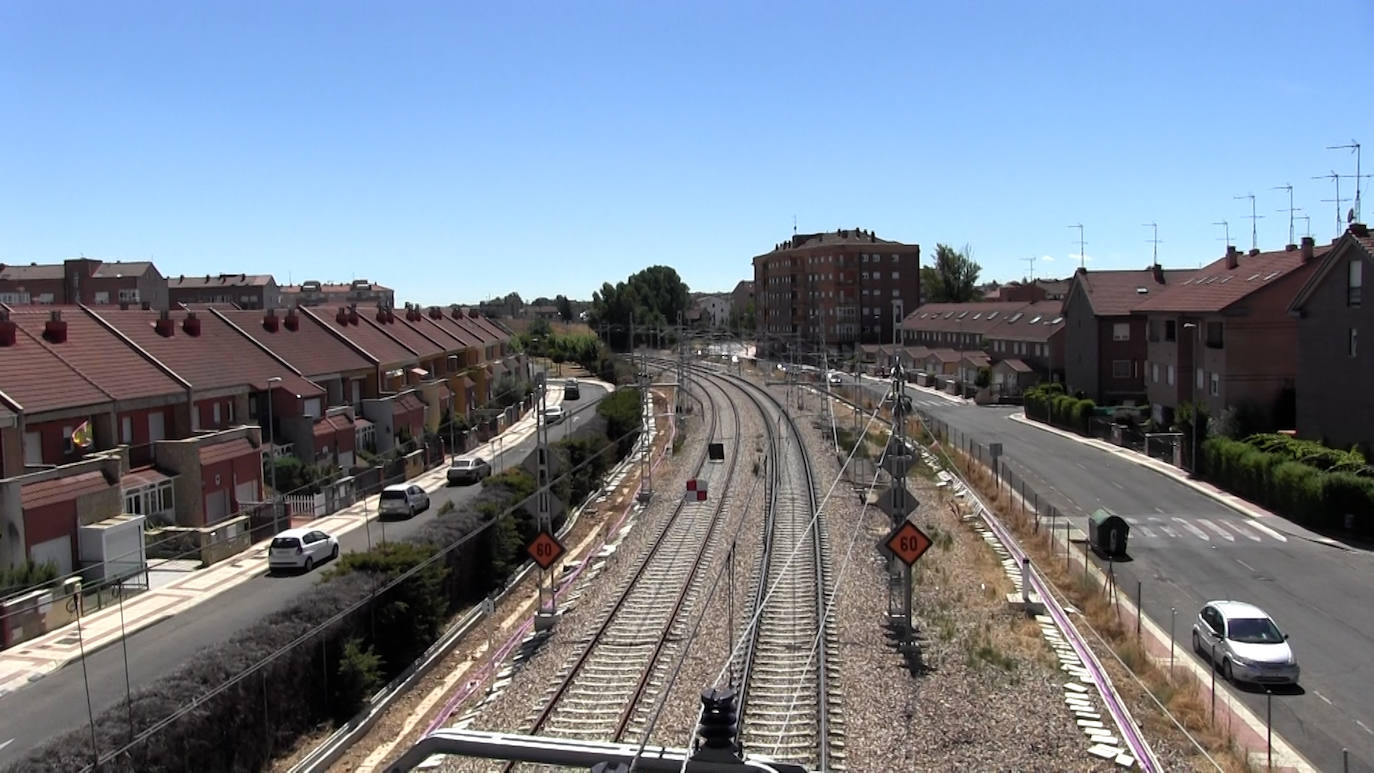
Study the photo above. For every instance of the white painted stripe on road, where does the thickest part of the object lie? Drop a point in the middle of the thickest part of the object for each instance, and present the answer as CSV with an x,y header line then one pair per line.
x,y
1173,534
1265,529
1364,727
1199,533
1159,510
1323,697
7,743
1240,531
1215,528
1247,566
1118,485
1144,531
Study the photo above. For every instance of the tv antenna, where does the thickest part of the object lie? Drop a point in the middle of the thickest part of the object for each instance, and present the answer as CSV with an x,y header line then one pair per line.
x,y
1307,225
1338,201
1254,219
794,225
1290,210
1355,146
1154,240
1082,246
1031,261
1224,224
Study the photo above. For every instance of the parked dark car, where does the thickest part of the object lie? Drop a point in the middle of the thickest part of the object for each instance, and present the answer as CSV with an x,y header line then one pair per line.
x,y
571,390
467,471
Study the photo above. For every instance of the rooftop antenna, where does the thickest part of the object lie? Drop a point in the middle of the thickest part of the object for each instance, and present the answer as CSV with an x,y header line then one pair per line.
x,y
1226,226
1254,229
1154,240
1031,261
794,225
1307,225
1290,210
1338,201
1355,146
1082,246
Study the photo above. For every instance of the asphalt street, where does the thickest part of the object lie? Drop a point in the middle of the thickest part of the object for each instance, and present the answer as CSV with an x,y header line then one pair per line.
x,y
57,702
1187,548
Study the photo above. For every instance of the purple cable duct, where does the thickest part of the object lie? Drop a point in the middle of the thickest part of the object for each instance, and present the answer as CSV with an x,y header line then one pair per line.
x,y
1134,738
485,672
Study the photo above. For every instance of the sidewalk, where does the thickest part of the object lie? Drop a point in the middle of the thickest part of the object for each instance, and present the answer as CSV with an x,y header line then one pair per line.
x,y
1250,510
30,661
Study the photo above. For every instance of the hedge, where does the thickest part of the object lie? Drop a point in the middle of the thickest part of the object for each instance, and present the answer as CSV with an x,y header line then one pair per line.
x,y
1048,403
329,673
1286,482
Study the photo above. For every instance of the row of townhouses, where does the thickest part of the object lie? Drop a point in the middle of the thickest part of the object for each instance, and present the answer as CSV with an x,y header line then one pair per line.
x,y
111,414
1273,333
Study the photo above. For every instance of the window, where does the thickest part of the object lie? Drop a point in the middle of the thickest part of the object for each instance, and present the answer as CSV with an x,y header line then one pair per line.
x,y
1154,372
216,411
1170,330
1201,375
1152,329
126,430
1121,331
1121,368
1216,384
1170,374
67,444
1353,293
895,275
1352,346
102,296
129,295
1214,335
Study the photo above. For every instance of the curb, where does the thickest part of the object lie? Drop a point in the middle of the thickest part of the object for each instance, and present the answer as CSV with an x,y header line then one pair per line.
x,y
1219,497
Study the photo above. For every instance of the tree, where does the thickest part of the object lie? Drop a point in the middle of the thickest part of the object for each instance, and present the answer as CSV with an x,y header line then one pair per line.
x,y
564,308
953,278
652,297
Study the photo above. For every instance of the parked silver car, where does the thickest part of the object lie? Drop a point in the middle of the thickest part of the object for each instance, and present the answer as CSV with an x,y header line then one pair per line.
x,y
402,499
1244,643
470,470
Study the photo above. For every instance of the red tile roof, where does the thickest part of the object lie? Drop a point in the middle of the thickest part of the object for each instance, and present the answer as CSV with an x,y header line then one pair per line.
x,y
1036,322
451,337
232,449
31,272
426,343
978,317
1351,240
1215,287
217,358
945,355
383,349
409,402
1118,293
460,331
142,476
310,348
36,380
1014,364
118,268
100,354
976,358
62,489
491,326
476,329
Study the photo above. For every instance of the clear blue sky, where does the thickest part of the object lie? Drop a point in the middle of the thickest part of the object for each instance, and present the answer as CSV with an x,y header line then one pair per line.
x,y
455,151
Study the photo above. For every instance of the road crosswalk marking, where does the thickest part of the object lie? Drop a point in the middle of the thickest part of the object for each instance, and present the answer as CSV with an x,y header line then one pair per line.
x,y
1199,533
1215,528
1205,529
1243,532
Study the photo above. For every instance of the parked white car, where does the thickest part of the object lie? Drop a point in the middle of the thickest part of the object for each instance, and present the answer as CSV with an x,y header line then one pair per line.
x,y
1245,643
301,549
402,499
554,415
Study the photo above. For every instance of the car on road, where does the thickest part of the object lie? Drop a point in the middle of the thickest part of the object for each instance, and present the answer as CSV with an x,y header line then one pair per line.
x,y
470,470
402,499
301,549
570,390
835,377
554,415
1244,643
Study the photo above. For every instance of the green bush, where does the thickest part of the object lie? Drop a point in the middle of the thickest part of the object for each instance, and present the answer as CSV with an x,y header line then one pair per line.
x,y
1312,453
26,576
1292,487
355,681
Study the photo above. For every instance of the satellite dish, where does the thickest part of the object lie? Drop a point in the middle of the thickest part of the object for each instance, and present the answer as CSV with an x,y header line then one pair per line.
x,y
1350,216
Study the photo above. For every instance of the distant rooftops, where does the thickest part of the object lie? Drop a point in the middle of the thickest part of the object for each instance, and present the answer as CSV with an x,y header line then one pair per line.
x,y
218,280
839,236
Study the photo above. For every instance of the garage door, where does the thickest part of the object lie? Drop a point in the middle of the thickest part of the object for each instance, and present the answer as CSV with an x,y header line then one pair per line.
x,y
216,506
245,493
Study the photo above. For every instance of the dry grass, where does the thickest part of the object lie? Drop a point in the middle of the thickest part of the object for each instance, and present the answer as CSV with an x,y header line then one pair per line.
x,y
1186,697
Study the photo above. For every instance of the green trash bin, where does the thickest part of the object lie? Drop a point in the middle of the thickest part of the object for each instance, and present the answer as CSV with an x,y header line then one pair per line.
x,y
1107,534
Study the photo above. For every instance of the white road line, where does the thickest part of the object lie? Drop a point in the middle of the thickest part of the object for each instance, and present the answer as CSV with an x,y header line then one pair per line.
x,y
1213,527
1323,697
1199,533
1364,727
1172,534
1118,485
1251,568
1155,518
1241,532
7,743
1159,510
1261,527
1143,531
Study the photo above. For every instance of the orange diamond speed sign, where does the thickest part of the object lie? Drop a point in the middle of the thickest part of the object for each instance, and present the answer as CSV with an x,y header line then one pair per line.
x,y
545,549
908,543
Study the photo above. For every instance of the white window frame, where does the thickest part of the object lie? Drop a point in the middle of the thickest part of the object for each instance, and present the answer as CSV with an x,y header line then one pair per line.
x,y
1120,373
102,296
1215,384
129,295
1201,379
1169,375
1353,342
1121,331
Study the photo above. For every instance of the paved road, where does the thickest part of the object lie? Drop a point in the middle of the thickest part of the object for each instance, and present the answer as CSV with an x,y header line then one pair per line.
x,y
1188,548
57,703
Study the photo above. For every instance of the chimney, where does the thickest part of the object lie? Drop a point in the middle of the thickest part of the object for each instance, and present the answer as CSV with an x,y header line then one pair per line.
x,y
472,313
435,312
191,324
1254,251
381,313
414,314
352,313
123,305
341,316
9,331
293,320
1309,246
1290,247
1158,271
455,312
1359,229
55,329
1232,256
164,325
146,305
270,321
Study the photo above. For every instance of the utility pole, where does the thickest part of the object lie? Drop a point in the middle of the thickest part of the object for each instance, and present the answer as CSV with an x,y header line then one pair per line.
x,y
1254,220
1291,209
681,373
543,512
1082,247
646,405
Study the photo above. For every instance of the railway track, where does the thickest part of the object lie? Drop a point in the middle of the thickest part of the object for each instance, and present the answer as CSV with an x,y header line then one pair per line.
x,y
608,691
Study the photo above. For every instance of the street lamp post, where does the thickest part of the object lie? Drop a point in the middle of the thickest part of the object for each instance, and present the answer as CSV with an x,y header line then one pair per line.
x,y
452,409
1192,426
272,452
